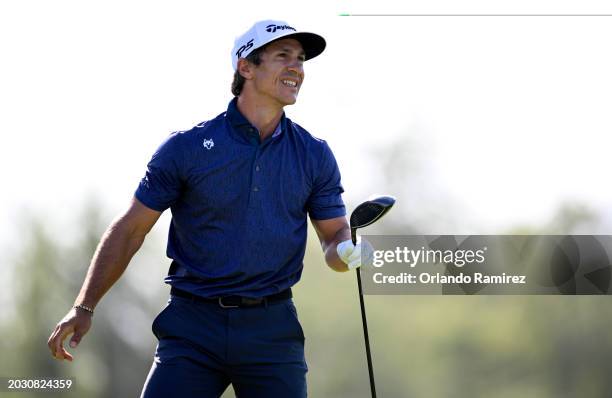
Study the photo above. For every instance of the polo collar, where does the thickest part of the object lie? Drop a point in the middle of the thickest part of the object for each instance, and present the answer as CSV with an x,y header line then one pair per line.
x,y
243,126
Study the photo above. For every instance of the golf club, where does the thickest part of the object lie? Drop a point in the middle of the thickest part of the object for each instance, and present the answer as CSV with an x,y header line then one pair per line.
x,y
365,214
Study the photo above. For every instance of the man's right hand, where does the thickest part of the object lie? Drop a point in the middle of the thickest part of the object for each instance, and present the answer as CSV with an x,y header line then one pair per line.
x,y
119,243
76,323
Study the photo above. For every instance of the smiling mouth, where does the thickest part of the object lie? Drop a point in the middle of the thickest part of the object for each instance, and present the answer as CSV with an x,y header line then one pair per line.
x,y
289,83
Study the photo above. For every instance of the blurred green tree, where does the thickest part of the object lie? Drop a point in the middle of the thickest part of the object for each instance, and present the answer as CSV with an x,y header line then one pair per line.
x,y
114,357
423,346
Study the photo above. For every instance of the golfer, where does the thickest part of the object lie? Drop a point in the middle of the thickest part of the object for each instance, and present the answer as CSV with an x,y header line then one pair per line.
x,y
240,187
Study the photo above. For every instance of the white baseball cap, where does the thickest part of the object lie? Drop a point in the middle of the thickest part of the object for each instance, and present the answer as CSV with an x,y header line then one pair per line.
x,y
264,32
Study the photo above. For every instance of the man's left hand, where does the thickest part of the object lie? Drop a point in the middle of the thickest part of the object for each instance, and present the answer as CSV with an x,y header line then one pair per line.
x,y
351,254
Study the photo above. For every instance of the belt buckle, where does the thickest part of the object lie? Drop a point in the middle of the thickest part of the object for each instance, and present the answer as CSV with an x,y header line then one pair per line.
x,y
220,300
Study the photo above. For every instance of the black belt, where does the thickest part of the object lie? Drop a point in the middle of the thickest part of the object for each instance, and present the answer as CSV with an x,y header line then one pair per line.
x,y
234,301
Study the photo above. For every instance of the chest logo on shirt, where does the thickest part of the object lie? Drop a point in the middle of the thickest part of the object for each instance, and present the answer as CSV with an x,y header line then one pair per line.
x,y
208,143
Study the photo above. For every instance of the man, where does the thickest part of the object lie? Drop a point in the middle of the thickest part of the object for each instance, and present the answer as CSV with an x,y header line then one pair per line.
x,y
240,187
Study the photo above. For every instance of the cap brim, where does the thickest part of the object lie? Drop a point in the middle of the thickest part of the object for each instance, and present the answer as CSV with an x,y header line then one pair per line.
x,y
312,43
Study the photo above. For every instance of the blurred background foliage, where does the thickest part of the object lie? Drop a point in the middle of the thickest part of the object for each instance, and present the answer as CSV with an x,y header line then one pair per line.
x,y
422,346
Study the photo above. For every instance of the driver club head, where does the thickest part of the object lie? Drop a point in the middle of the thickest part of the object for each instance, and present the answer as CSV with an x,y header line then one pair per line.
x,y
369,212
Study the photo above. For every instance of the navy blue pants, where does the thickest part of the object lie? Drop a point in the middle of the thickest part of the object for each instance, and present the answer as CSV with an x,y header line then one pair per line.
x,y
203,348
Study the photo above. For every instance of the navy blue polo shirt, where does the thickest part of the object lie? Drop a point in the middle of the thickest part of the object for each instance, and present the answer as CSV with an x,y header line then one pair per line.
x,y
239,206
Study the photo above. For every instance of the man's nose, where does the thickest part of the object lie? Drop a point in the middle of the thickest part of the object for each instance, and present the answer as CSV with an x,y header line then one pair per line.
x,y
296,66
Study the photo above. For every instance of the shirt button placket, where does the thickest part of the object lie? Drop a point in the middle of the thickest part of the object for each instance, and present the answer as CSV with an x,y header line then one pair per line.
x,y
254,202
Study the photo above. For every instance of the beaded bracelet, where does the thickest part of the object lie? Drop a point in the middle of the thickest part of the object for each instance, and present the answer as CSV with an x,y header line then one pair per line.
x,y
84,307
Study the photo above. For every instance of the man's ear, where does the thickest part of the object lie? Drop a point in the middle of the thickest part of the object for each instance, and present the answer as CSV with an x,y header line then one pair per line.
x,y
245,68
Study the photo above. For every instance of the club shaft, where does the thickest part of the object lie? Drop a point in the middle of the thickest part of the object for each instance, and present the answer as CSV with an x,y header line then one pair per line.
x,y
365,333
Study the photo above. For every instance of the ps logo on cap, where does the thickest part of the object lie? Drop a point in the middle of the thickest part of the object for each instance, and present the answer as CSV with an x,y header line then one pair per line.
x,y
264,32
244,48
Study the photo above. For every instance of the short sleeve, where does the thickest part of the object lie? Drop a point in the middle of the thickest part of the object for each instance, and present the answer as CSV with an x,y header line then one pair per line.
x,y
325,201
161,185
